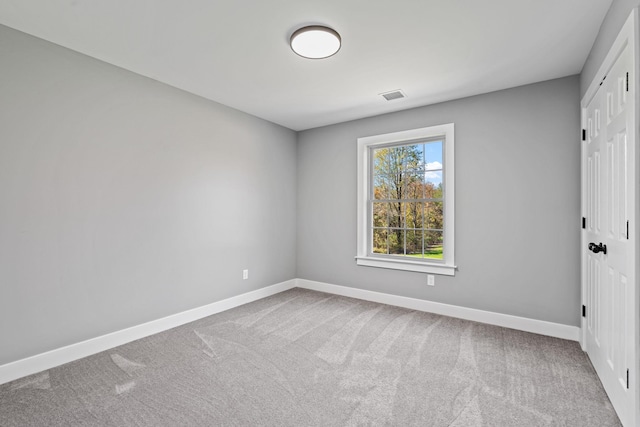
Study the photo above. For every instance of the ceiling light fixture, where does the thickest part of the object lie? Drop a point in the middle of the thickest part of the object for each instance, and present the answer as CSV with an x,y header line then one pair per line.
x,y
315,42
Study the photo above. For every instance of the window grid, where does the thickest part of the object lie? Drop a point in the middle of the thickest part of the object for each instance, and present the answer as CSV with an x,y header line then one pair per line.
x,y
396,227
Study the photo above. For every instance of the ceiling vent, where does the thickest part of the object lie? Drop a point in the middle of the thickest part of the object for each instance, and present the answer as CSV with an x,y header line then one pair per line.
x,y
394,94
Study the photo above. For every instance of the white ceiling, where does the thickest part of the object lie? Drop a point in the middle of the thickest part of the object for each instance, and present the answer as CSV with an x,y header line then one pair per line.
x,y
236,52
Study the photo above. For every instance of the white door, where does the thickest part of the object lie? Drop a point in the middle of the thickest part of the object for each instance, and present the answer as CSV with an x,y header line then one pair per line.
x,y
608,244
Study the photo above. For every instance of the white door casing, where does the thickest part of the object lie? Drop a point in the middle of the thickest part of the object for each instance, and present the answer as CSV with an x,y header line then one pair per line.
x,y
609,240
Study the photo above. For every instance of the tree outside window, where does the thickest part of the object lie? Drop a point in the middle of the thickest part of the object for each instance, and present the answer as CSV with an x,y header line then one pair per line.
x,y
407,200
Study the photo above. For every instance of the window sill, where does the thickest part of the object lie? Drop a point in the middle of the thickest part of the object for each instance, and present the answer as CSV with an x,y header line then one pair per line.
x,y
406,265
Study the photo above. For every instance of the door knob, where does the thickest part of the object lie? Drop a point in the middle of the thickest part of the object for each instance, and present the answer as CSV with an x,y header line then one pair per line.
x,y
598,248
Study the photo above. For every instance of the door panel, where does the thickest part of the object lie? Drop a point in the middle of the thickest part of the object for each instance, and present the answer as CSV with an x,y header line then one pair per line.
x,y
609,206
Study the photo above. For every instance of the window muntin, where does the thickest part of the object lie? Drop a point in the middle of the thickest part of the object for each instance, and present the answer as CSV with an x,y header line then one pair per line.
x,y
406,200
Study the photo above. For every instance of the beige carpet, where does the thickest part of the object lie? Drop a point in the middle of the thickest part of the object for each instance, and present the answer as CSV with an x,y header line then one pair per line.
x,y
303,358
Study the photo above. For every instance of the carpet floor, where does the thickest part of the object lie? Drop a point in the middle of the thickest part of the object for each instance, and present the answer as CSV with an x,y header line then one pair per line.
x,y
305,358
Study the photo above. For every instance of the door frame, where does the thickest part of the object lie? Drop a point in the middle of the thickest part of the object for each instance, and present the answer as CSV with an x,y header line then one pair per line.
x,y
628,36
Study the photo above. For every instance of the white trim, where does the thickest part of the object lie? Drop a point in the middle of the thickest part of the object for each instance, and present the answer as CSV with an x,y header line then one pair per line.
x,y
406,265
541,327
363,257
50,359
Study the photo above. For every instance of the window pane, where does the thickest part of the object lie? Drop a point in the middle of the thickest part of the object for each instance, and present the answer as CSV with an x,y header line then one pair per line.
x,y
396,242
419,150
396,214
414,214
414,243
398,172
433,170
415,185
433,184
380,190
433,244
405,157
380,241
433,155
435,217
381,214
380,173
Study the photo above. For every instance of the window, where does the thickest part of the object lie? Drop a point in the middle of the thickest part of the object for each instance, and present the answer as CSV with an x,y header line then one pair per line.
x,y
406,200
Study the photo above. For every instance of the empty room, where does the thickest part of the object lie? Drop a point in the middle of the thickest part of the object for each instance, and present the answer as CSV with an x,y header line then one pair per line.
x,y
319,213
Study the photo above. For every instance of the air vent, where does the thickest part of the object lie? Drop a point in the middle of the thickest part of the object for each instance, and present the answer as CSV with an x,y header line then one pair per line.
x,y
394,94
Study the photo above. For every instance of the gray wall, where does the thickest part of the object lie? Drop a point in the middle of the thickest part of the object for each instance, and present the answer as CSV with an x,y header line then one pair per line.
x,y
123,200
517,203
613,22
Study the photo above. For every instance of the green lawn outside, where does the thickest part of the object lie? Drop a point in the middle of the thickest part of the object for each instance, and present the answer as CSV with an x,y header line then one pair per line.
x,y
434,252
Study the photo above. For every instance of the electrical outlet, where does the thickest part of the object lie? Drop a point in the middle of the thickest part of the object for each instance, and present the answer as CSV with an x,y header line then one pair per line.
x,y
245,274
431,280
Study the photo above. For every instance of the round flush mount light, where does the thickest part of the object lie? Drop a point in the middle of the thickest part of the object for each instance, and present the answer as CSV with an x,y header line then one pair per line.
x,y
315,42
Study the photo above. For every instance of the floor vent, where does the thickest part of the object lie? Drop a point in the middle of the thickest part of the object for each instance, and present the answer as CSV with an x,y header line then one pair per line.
x,y
394,94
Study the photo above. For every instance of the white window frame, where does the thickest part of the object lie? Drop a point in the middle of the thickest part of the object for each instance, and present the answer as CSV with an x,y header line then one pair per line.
x,y
447,265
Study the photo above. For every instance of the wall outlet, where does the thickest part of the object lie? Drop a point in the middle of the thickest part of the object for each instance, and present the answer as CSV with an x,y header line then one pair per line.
x,y
431,280
245,274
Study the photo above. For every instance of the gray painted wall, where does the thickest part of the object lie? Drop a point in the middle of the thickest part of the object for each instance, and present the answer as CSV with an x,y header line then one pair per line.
x,y
611,26
517,203
123,200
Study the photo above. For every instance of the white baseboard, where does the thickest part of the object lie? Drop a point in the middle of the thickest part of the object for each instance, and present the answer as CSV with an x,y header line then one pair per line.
x,y
60,356
541,327
40,362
